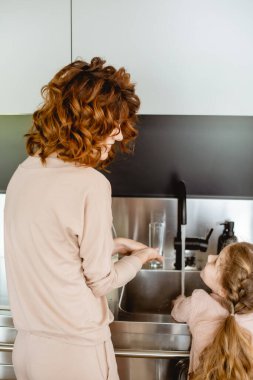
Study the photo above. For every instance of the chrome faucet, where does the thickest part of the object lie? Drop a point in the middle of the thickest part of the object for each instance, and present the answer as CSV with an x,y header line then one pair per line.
x,y
191,243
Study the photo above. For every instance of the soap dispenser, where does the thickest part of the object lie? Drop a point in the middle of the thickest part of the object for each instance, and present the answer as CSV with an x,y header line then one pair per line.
x,y
227,236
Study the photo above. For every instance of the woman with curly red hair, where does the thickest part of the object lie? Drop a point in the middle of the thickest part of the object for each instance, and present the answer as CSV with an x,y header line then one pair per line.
x,y
58,240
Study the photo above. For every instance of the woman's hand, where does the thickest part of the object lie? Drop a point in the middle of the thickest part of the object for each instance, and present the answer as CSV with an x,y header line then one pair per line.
x,y
126,246
148,254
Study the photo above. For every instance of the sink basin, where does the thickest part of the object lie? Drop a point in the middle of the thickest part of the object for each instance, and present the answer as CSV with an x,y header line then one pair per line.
x,y
143,320
152,292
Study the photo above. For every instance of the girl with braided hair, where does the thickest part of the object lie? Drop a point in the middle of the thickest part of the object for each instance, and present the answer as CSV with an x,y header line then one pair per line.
x,y
221,323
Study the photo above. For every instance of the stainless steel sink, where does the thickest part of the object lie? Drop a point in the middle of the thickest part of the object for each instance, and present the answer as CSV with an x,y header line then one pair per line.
x,y
148,342
143,320
152,292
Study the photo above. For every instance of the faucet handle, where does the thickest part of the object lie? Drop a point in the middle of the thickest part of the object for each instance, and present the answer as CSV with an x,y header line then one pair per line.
x,y
194,243
203,244
209,234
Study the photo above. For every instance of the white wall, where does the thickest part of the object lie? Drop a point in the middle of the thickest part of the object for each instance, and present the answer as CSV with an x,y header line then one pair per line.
x,y
35,42
190,57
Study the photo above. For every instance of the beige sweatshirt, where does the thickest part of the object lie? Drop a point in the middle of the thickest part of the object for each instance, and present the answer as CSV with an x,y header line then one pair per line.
x,y
204,314
58,247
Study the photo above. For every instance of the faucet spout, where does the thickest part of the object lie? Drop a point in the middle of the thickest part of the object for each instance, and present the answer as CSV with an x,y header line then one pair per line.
x,y
191,243
181,220
182,214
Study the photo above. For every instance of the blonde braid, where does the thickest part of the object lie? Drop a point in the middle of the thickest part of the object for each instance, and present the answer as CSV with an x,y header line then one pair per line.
x,y
230,356
237,277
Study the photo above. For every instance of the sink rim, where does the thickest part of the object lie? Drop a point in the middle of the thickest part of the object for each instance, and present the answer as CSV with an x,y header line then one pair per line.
x,y
150,328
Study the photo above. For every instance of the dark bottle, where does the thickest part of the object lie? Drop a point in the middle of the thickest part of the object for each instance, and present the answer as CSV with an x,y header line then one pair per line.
x,y
227,236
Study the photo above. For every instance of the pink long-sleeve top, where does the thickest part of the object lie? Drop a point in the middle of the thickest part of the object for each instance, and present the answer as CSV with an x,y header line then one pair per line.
x,y
58,247
204,314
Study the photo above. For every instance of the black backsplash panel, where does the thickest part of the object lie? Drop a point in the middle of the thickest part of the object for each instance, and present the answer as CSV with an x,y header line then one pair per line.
x,y
212,154
12,145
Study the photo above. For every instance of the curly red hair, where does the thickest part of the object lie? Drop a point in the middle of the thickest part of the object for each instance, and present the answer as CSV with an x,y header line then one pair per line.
x,y
83,104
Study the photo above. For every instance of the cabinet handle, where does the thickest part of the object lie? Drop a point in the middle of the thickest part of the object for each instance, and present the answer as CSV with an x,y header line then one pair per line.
x,y
6,348
151,354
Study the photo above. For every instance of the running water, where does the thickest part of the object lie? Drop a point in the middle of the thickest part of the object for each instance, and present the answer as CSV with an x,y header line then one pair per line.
x,y
183,229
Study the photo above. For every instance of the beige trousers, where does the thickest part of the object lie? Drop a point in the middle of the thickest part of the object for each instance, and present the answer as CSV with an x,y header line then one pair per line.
x,y
39,358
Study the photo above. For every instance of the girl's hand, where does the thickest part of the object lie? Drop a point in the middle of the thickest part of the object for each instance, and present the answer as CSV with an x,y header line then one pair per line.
x,y
126,246
178,299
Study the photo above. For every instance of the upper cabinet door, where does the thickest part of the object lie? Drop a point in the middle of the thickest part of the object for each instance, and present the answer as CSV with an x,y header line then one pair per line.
x,y
35,40
187,57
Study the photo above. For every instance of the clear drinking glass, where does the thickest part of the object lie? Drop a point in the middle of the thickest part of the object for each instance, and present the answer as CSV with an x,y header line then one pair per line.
x,y
156,239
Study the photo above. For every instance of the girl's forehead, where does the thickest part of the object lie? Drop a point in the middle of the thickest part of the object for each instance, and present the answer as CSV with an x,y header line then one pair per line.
x,y
223,254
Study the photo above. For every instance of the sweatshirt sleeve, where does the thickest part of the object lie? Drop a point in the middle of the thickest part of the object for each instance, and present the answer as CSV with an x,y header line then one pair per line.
x,y
96,245
182,309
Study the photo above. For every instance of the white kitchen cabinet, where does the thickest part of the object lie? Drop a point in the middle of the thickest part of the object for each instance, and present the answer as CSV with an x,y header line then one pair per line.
x,y
35,40
190,57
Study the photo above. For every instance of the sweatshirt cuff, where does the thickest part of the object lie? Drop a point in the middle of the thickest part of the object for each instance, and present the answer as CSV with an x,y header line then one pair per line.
x,y
133,261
